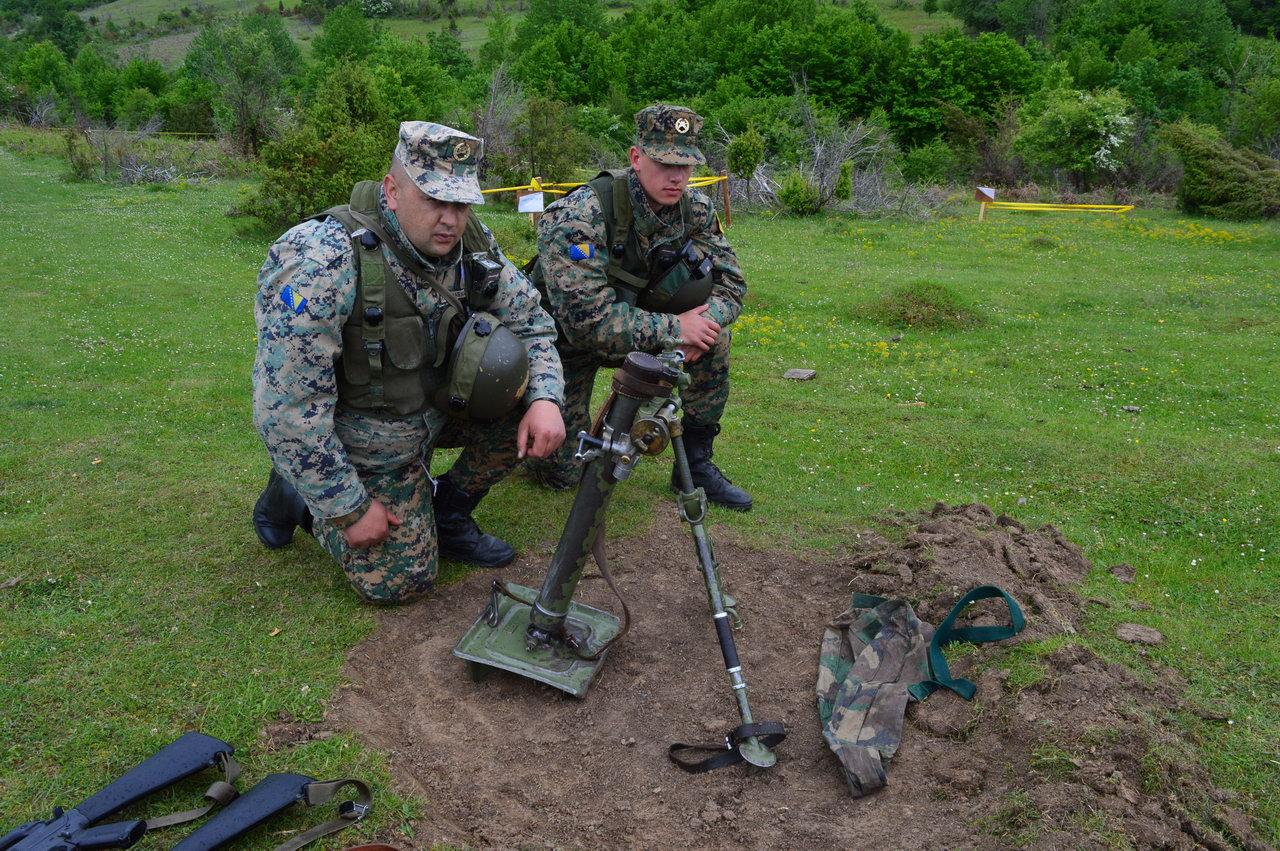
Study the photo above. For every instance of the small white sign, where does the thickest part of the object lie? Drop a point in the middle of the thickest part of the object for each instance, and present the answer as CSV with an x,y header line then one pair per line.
x,y
531,203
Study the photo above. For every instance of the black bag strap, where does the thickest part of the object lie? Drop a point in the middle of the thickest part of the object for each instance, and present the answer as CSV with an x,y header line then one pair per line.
x,y
770,734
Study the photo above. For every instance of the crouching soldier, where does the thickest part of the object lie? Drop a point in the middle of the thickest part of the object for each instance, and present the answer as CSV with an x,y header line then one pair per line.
x,y
633,258
386,328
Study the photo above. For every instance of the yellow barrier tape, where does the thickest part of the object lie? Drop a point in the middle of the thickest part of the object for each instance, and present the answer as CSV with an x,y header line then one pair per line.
x,y
1080,208
562,188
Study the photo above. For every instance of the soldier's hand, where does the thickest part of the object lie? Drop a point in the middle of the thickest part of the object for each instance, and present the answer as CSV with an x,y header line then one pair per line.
x,y
541,430
372,528
691,354
698,330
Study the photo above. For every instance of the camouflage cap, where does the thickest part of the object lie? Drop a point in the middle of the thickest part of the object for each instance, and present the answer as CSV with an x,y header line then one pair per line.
x,y
669,134
442,161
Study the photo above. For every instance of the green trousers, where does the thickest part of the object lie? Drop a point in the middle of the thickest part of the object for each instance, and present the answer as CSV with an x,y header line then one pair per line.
x,y
392,458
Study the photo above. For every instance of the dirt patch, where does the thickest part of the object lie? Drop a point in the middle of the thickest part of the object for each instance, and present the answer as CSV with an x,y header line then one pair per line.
x,y
1064,752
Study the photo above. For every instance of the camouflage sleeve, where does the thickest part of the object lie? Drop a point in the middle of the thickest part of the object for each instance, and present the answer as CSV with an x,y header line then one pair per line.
x,y
306,291
520,309
574,261
730,289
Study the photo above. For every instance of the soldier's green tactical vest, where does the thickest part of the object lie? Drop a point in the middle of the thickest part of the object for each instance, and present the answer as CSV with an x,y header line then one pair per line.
x,y
628,272
393,357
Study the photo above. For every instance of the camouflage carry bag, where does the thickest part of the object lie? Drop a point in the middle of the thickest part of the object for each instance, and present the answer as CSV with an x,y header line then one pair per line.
x,y
875,658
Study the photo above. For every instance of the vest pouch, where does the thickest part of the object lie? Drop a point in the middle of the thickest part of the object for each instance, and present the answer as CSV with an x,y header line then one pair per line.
x,y
354,367
407,344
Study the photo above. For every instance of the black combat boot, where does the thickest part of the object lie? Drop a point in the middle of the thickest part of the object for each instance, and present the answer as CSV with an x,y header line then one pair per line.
x,y
459,537
278,512
706,475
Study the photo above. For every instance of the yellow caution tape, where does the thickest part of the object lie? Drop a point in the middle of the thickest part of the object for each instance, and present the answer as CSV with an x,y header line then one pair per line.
x,y
562,188
1058,208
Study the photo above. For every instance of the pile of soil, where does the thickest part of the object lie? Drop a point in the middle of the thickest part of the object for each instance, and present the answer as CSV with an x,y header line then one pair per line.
x,y
1082,756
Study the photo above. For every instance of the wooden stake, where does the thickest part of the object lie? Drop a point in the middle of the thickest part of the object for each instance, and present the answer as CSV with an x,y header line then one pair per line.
x,y
724,193
982,210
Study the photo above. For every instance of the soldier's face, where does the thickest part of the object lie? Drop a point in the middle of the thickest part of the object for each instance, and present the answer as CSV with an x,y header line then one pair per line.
x,y
664,184
434,227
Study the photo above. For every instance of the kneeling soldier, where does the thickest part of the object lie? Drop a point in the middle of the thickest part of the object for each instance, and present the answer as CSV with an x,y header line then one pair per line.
x,y
386,328
632,258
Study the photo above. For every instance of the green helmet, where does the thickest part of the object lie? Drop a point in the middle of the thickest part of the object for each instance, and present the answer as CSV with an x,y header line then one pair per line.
x,y
683,280
488,370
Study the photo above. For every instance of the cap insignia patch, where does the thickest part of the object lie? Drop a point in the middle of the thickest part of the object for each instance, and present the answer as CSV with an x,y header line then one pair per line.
x,y
682,125
461,151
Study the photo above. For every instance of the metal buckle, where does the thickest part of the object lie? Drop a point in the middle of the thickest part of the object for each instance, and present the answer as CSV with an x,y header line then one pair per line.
x,y
353,810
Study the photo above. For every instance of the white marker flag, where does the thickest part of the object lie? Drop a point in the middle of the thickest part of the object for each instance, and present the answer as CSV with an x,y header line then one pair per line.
x,y
531,203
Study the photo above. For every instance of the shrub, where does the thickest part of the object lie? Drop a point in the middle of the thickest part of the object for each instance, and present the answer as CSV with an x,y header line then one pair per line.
x,y
844,183
745,152
133,108
798,194
1219,180
80,156
934,162
1081,133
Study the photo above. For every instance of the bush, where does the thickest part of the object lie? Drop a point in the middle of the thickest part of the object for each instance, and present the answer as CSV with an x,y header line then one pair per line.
x,y
133,108
1081,133
844,183
798,194
1219,180
745,153
934,163
80,156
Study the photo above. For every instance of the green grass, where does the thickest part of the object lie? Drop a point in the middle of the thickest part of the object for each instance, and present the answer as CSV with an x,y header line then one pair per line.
x,y
129,468
908,15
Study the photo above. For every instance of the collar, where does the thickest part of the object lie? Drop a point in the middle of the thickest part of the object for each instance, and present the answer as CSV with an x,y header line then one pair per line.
x,y
428,262
648,219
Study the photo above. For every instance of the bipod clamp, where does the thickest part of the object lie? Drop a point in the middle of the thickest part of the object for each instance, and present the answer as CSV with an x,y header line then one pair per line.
x,y
742,743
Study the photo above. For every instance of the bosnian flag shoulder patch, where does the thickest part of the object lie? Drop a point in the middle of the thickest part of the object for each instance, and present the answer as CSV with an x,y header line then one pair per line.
x,y
295,302
582,251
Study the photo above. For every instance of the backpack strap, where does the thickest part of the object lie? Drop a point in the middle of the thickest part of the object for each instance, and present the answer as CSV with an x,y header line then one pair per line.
x,y
615,197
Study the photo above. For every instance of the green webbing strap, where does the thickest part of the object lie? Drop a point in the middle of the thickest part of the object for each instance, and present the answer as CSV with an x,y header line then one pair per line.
x,y
371,288
612,189
349,812
948,633
220,792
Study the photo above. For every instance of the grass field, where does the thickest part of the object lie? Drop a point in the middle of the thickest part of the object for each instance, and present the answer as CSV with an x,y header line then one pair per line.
x,y
1113,376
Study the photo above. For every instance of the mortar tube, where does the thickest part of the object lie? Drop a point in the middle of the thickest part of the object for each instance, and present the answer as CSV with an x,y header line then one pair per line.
x,y
590,507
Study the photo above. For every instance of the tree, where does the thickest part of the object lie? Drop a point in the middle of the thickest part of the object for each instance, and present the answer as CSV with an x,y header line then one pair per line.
x,y
347,135
972,75
1080,133
1219,180
345,34
98,80
242,64
569,64
500,39
585,16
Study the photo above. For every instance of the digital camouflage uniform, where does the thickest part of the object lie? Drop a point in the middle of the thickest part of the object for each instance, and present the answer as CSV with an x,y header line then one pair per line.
x,y
337,457
596,327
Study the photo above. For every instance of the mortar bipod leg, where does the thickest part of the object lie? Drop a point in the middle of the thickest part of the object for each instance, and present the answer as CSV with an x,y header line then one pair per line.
x,y
693,510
